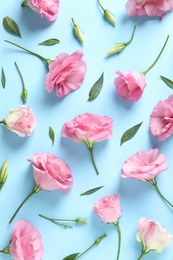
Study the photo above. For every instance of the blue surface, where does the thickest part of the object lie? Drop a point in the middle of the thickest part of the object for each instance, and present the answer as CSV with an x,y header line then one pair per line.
x,y
137,199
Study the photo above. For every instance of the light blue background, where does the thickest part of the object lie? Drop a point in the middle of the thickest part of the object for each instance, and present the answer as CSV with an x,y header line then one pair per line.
x,y
137,199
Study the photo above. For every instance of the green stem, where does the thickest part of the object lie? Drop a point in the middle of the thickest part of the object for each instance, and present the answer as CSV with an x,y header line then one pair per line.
x,y
73,22
133,33
35,190
101,5
3,122
58,219
141,255
119,238
5,250
47,61
145,71
85,251
154,183
96,242
24,92
25,3
23,83
92,159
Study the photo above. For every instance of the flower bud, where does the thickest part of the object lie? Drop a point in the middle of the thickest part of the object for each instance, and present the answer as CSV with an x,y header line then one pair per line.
x,y
24,95
3,173
116,49
77,31
108,15
98,240
81,220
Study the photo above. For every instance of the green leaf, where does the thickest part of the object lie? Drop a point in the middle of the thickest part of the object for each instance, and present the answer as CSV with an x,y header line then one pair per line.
x,y
49,42
167,81
71,257
130,133
96,88
11,26
51,135
91,191
3,80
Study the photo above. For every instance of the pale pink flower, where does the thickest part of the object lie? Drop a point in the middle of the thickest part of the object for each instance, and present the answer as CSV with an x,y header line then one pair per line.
x,y
21,121
152,236
130,85
25,242
66,73
47,8
108,208
88,127
161,119
51,173
148,7
144,166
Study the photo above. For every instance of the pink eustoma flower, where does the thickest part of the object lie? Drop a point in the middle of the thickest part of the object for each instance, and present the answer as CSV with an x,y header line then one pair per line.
x,y
21,121
66,73
51,173
25,242
161,119
148,7
152,236
130,85
144,166
108,208
47,8
88,127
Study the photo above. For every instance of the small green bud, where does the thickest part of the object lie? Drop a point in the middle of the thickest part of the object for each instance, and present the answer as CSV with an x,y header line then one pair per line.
x,y
109,16
3,173
98,240
116,49
24,95
77,31
81,220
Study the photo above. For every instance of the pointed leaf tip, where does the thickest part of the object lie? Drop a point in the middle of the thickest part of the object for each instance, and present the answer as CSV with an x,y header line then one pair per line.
x,y
96,88
130,133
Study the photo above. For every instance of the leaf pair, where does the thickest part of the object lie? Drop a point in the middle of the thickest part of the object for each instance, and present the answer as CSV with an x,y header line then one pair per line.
x,y
11,26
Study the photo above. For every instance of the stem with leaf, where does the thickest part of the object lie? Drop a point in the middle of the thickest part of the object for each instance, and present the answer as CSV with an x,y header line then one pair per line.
x,y
152,65
47,61
35,190
154,183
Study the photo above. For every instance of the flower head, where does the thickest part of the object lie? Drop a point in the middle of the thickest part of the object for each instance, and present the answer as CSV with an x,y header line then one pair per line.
x,y
66,73
25,242
130,85
161,119
47,8
144,166
152,236
51,173
88,127
108,208
148,7
21,121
